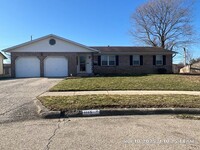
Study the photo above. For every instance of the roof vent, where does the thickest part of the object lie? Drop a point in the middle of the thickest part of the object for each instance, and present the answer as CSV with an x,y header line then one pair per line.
x,y
52,41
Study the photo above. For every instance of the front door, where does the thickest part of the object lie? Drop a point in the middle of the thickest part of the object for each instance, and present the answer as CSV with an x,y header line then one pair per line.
x,y
82,63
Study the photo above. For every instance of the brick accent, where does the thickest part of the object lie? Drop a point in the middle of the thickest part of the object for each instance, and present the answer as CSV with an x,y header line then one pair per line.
x,y
124,66
72,64
41,58
13,58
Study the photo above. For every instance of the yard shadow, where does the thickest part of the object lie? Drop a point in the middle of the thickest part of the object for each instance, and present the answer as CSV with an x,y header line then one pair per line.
x,y
187,74
6,78
112,75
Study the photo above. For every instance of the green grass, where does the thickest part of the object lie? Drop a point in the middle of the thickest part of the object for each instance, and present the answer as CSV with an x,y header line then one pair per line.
x,y
65,103
148,82
188,116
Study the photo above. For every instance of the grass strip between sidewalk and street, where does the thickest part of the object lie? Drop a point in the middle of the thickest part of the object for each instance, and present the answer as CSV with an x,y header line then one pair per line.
x,y
189,116
146,82
80,102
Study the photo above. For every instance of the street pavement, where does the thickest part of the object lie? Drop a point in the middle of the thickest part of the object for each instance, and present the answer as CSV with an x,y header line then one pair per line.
x,y
154,132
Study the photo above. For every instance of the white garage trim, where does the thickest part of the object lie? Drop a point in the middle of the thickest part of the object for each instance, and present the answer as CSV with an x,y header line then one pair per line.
x,y
28,66
55,66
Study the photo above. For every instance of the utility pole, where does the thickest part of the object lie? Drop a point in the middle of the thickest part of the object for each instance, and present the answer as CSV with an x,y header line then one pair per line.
x,y
31,37
185,56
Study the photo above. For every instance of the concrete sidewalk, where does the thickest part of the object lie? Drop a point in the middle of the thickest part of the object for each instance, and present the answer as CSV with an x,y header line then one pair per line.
x,y
129,92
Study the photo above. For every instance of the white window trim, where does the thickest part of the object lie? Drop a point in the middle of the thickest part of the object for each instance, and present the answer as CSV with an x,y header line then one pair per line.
x,y
159,60
108,58
133,60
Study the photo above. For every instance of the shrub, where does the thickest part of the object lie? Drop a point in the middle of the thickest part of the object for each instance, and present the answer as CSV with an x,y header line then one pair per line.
x,y
162,70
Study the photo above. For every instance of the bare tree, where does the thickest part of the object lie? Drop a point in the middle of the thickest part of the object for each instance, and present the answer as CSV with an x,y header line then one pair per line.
x,y
164,23
192,61
188,56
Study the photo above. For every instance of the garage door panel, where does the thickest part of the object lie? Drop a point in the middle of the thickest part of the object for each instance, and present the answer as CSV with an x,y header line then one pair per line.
x,y
27,67
55,66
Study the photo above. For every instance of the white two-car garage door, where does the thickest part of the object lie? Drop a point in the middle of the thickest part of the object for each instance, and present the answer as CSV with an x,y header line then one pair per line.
x,y
27,67
55,66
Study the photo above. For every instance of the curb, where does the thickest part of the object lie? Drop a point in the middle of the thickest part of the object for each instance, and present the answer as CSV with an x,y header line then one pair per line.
x,y
47,114
134,111
43,112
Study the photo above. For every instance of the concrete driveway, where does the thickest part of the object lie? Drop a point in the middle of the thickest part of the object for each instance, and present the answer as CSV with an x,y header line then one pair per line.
x,y
17,96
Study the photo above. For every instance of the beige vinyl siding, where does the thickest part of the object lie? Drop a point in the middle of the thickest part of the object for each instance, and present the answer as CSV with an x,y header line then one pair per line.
x,y
1,64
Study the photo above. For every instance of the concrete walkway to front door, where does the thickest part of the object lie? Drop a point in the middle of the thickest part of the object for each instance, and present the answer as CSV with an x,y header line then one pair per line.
x,y
130,92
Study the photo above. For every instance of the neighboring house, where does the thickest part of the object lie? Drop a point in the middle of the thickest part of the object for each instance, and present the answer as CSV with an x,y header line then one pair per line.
x,y
177,67
7,69
2,57
54,56
191,69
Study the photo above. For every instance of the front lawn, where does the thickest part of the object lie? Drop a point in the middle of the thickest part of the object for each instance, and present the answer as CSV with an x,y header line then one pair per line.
x,y
65,103
148,82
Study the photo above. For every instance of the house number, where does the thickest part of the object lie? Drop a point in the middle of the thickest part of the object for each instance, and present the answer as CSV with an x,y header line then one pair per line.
x,y
90,112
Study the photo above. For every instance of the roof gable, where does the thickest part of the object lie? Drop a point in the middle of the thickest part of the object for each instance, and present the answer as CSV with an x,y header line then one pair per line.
x,y
42,45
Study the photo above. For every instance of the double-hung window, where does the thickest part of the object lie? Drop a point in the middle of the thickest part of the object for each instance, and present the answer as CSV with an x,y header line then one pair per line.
x,y
159,59
108,60
104,60
136,60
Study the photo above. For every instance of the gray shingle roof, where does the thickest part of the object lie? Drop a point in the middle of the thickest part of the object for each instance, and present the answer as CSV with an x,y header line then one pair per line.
x,y
130,49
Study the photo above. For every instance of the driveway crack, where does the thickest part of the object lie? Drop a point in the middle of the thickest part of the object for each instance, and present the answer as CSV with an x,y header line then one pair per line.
x,y
54,133
15,108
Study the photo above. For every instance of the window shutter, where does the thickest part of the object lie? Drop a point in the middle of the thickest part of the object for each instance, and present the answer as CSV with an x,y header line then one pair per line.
x,y
141,60
131,60
117,60
99,60
154,59
164,59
